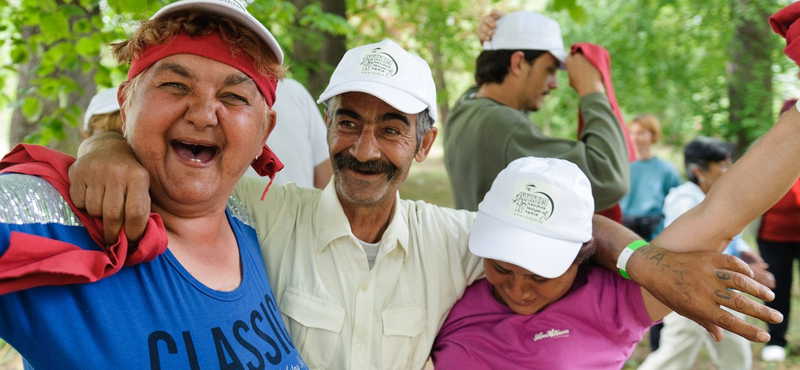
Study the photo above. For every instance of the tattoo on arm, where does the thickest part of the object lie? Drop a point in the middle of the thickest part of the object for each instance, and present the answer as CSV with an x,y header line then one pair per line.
x,y
652,253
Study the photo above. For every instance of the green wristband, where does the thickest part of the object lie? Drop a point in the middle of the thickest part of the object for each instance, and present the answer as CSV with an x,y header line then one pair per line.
x,y
622,261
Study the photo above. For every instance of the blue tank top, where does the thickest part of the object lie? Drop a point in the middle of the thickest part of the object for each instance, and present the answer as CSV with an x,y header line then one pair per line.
x,y
153,315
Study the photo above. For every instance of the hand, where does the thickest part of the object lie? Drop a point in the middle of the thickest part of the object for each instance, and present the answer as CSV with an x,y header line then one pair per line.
x,y
583,75
759,267
107,181
695,285
488,24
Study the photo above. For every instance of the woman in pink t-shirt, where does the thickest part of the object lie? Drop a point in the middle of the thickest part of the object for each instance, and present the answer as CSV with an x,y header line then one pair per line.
x,y
540,306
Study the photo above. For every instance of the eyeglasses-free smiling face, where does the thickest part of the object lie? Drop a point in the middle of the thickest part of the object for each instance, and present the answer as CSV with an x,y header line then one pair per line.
x,y
195,124
372,145
522,291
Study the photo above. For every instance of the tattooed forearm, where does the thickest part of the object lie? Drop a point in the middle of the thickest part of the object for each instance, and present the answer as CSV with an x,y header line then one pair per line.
x,y
652,253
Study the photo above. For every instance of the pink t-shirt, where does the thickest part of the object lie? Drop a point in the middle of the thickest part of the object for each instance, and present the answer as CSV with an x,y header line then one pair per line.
x,y
596,325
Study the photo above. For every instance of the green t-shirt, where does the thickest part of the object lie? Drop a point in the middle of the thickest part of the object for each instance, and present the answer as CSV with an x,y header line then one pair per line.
x,y
482,137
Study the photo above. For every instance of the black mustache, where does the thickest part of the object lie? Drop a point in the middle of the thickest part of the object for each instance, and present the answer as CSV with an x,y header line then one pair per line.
x,y
375,166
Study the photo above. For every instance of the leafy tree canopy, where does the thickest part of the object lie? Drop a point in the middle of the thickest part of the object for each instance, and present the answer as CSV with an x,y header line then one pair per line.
x,y
672,58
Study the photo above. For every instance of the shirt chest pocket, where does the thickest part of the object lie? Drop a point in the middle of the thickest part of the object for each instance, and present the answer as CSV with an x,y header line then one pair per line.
x,y
315,326
404,344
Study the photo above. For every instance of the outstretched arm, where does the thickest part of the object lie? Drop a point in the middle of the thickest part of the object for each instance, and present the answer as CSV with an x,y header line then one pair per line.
x,y
752,185
692,284
749,188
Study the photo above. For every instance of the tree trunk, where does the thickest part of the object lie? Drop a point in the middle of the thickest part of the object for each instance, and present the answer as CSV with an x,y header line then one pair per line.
x,y
320,59
750,72
441,85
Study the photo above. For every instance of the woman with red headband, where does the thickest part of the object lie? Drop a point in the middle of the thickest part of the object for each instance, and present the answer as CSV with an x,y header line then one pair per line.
x,y
194,294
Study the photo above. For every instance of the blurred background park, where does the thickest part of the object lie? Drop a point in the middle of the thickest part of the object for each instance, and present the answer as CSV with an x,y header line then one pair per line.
x,y
702,67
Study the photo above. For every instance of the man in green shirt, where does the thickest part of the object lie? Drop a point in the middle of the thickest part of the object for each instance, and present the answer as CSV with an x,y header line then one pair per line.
x,y
489,125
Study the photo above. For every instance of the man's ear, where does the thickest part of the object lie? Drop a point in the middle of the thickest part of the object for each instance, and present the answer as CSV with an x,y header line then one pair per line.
x,y
515,65
426,145
697,172
325,117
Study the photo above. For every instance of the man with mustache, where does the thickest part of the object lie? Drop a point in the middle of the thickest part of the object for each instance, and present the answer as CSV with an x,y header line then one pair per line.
x,y
364,279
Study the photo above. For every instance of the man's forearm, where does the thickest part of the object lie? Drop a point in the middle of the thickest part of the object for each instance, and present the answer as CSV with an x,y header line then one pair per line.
x,y
99,140
610,238
692,284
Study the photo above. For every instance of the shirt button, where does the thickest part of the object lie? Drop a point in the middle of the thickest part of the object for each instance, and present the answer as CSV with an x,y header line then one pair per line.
x,y
364,287
361,346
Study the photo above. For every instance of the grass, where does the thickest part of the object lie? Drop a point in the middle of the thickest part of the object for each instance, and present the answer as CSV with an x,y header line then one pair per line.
x,y
429,181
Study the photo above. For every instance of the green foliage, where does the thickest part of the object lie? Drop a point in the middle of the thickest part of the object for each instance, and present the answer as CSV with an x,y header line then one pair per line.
x,y
132,10
19,54
292,26
315,18
73,36
62,38
32,108
671,58
576,12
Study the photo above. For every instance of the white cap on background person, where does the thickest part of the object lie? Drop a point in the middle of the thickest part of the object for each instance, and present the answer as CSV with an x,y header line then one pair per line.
x,y
104,102
528,31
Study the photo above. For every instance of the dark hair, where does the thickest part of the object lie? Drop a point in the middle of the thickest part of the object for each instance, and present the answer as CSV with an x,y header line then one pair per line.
x,y
703,151
492,65
585,253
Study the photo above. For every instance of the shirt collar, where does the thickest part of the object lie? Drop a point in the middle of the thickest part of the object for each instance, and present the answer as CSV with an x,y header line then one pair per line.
x,y
331,222
694,190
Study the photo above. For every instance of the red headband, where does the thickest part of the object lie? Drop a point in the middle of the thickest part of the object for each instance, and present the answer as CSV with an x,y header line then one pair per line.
x,y
213,47
210,46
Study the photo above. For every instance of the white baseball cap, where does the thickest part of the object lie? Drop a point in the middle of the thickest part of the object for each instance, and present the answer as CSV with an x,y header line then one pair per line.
x,y
537,215
388,72
528,31
102,103
229,8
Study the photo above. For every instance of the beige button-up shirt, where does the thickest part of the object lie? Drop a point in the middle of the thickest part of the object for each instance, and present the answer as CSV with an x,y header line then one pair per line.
x,y
340,313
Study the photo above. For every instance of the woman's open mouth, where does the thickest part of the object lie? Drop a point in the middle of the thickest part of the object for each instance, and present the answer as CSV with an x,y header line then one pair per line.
x,y
197,153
